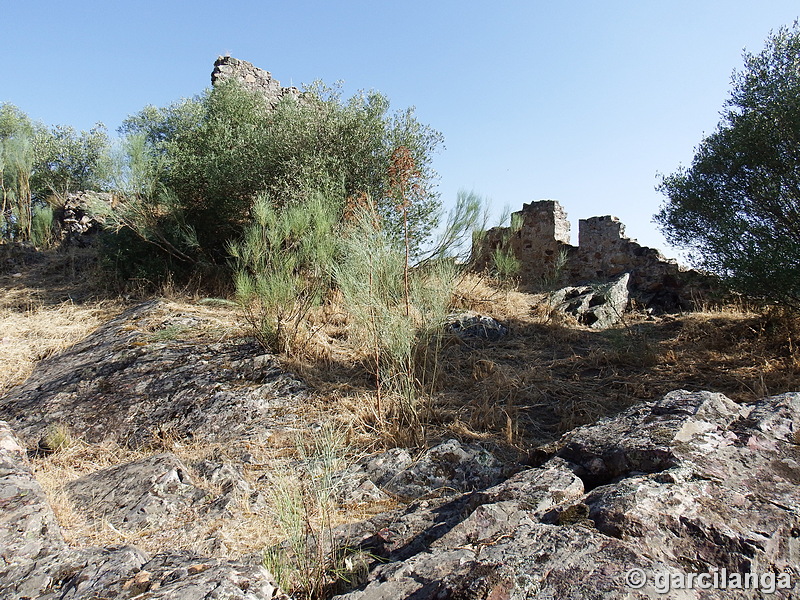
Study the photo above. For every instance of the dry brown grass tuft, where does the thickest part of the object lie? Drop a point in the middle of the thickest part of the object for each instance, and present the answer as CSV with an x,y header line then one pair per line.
x,y
551,374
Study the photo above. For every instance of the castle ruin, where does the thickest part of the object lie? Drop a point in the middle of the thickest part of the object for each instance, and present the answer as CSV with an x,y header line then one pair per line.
x,y
253,79
539,237
540,240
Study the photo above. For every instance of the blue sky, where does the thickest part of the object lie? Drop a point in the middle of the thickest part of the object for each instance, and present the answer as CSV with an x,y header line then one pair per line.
x,y
581,102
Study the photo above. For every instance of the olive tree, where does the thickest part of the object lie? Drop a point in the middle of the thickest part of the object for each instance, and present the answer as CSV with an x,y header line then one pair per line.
x,y
737,208
220,151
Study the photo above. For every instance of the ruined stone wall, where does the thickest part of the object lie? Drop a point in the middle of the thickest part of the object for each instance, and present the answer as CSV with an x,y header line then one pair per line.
x,y
538,236
604,252
252,78
540,241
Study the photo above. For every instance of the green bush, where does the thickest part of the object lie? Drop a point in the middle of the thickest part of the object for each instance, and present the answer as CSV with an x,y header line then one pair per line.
x,y
283,266
216,153
398,322
42,226
37,162
16,163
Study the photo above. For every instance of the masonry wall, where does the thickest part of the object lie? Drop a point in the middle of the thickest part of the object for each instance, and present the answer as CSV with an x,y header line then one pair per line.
x,y
541,243
252,78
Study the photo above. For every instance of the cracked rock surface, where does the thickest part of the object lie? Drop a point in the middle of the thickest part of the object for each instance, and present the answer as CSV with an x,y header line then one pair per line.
x,y
35,562
690,483
133,385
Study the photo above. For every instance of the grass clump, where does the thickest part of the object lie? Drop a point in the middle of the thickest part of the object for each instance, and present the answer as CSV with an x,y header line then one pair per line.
x,y
306,563
57,438
42,234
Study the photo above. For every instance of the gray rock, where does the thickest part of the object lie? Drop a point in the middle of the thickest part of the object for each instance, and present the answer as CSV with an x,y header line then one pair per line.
x,y
127,573
31,543
146,492
232,484
447,468
123,382
471,327
597,306
691,483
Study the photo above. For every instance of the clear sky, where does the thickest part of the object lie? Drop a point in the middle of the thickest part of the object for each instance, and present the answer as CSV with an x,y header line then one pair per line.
x,y
580,102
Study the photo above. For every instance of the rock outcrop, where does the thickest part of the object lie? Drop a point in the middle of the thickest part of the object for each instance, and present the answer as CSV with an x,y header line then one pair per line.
x,y
690,484
449,466
135,381
692,487
36,563
252,78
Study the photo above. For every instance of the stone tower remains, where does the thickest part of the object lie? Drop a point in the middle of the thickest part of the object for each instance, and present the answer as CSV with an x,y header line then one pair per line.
x,y
539,239
252,78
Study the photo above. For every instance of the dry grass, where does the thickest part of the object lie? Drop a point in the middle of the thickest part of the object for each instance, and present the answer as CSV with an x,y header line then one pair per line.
x,y
547,376
38,331
48,301
245,529
551,374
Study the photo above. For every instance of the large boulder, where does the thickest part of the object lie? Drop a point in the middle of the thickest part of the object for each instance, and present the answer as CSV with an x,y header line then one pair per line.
x,y
598,306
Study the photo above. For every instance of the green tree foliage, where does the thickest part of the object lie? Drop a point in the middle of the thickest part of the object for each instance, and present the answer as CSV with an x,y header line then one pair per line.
x,y
37,162
67,160
738,206
16,163
219,151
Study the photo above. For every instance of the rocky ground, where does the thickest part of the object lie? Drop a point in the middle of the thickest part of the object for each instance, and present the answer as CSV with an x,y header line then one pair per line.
x,y
151,457
691,482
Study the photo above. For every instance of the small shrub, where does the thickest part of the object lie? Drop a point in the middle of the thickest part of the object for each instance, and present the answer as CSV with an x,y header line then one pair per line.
x,y
57,438
282,267
42,226
397,314
505,265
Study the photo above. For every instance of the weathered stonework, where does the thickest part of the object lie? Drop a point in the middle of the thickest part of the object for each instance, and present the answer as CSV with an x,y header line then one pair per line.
x,y
539,239
252,78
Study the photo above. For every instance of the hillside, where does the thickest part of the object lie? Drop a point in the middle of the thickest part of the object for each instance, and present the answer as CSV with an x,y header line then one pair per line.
x,y
160,424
